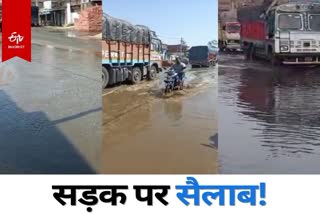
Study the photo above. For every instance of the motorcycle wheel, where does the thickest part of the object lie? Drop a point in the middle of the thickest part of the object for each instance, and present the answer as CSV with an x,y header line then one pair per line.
x,y
181,86
167,90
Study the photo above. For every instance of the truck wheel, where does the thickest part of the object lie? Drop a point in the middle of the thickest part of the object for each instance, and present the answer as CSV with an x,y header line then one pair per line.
x,y
152,74
105,77
136,75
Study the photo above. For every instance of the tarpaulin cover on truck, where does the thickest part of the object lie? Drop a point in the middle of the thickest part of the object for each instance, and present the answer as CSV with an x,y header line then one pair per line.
x,y
119,30
197,53
250,13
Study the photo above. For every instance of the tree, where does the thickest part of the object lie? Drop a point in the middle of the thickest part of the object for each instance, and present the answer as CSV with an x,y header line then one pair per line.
x,y
213,44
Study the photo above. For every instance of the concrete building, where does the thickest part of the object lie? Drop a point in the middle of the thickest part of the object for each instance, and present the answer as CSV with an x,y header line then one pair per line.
x,y
62,12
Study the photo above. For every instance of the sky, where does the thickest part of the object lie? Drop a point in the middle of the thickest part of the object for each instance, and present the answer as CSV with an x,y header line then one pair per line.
x,y
196,21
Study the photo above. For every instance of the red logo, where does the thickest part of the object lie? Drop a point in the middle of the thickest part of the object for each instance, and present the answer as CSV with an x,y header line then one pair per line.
x,y
16,32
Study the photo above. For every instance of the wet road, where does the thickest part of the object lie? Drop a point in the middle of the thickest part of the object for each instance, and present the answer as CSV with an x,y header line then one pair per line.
x,y
50,109
146,132
269,119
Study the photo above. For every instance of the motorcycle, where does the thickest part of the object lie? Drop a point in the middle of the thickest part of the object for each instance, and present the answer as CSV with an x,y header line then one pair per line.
x,y
173,81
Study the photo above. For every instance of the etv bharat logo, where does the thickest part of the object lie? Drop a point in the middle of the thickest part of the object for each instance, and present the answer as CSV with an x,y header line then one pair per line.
x,y
17,38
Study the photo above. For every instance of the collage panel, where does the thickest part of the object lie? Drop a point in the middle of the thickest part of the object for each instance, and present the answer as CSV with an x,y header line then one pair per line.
x,y
269,84
160,100
51,108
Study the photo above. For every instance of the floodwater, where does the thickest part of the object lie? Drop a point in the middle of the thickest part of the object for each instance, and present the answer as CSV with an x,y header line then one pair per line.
x,y
146,132
50,110
269,119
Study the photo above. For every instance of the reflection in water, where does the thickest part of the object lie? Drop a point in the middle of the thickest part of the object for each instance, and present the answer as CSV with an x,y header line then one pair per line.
x,y
173,109
286,105
276,116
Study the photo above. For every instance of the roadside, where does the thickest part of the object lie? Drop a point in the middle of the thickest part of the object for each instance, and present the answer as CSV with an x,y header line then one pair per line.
x,y
66,38
56,100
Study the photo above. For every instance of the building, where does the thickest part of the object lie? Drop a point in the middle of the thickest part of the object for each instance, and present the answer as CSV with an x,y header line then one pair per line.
x,y
180,50
62,12
228,8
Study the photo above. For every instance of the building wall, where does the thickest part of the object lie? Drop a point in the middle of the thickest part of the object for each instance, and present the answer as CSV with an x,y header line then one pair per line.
x,y
90,19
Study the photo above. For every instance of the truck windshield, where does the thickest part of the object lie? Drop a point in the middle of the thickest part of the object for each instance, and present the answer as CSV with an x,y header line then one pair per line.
x,y
314,22
290,21
234,28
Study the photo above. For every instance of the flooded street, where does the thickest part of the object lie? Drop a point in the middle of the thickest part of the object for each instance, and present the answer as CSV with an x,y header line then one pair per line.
x,y
51,108
147,132
269,119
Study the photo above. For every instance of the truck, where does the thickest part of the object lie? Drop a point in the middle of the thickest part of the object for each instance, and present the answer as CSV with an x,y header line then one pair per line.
x,y
130,53
229,36
229,31
202,56
282,31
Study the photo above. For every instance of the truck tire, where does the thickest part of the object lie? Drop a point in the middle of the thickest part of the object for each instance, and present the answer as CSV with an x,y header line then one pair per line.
x,y
152,73
105,77
136,75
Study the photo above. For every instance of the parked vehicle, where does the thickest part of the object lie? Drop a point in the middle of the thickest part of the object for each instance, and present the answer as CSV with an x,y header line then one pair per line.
x,y
130,53
229,36
282,31
202,56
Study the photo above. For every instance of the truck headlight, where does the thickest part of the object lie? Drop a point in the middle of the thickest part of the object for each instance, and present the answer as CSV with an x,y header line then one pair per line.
x,y
284,48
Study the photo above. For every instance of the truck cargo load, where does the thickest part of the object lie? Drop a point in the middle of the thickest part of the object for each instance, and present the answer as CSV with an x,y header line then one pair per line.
x,y
123,31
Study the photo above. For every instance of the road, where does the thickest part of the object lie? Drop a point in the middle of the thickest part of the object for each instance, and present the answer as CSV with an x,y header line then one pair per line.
x,y
146,132
51,108
269,119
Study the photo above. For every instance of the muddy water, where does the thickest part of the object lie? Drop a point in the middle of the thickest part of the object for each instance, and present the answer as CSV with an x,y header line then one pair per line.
x,y
274,116
50,113
146,132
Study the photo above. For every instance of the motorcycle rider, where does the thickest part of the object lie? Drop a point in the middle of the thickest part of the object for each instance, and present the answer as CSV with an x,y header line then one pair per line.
x,y
179,67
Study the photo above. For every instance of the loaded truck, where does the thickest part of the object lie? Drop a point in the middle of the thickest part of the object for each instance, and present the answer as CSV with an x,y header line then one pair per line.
x,y
229,31
130,53
200,56
229,36
282,31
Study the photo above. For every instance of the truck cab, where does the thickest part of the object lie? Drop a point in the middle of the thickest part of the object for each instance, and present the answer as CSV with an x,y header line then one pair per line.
x,y
230,36
294,30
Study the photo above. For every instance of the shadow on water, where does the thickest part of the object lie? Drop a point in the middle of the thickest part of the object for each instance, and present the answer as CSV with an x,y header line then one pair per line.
x,y
31,144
